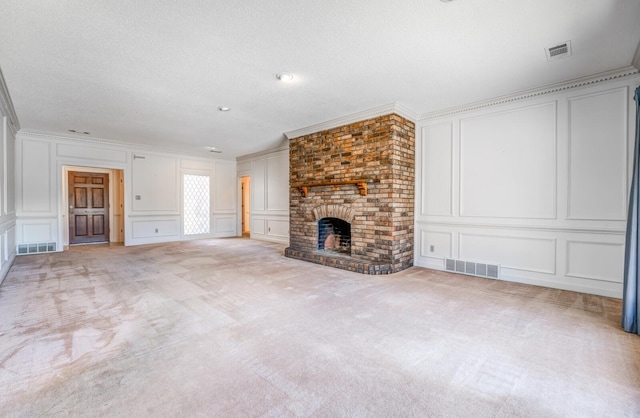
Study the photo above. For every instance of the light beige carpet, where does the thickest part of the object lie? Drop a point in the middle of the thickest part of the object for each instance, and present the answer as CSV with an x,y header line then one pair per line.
x,y
231,328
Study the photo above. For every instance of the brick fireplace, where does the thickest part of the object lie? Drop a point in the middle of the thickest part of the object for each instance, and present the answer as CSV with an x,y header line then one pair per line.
x,y
352,196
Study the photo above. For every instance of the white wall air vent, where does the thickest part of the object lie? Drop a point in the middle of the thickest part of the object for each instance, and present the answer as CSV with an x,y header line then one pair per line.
x,y
36,248
472,268
558,51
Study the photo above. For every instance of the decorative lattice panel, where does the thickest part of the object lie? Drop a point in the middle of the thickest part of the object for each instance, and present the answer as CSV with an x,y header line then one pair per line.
x,y
197,205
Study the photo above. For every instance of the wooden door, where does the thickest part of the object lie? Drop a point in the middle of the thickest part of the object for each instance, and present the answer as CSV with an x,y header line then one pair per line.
x,y
88,207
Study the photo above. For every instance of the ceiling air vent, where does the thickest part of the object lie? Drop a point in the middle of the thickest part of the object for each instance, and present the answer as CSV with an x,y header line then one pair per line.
x,y
559,51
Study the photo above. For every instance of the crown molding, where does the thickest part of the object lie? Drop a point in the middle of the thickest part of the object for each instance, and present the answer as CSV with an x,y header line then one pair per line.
x,y
540,91
269,151
397,108
7,106
92,141
405,112
636,58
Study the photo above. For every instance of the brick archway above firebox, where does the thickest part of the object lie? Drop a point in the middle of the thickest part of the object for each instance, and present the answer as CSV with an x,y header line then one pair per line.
x,y
333,211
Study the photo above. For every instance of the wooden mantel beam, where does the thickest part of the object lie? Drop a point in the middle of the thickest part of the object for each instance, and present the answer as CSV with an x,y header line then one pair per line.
x,y
361,184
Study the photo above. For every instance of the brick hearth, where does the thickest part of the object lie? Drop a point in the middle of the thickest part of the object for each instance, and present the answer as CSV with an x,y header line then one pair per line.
x,y
380,152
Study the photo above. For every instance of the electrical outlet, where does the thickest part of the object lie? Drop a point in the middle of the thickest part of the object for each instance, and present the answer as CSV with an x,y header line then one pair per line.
x,y
432,248
156,230
138,197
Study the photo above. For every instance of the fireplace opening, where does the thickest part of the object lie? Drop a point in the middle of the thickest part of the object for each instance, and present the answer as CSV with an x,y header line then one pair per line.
x,y
334,235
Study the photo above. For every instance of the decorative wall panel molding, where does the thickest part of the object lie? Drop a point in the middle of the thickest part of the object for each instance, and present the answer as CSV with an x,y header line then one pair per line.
x,y
203,165
278,228
508,163
9,175
514,252
6,106
91,153
435,244
155,183
37,231
436,148
501,224
597,181
258,185
9,239
224,225
155,228
603,261
93,141
277,176
258,226
36,176
224,190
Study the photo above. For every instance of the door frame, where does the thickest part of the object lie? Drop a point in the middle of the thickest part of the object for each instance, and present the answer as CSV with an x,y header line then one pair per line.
x,y
209,174
90,209
242,202
63,218
239,176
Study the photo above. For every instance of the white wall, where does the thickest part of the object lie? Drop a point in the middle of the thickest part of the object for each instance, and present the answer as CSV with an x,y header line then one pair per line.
x,y
269,172
537,185
152,188
7,185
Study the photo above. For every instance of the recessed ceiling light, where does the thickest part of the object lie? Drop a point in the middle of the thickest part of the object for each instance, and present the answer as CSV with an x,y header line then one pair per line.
x,y
224,108
73,131
214,149
285,76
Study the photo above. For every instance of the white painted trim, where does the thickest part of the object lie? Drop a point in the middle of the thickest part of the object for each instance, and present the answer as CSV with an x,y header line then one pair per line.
x,y
553,241
418,242
551,88
567,263
6,104
548,283
405,112
270,238
461,163
127,148
516,227
622,216
636,58
411,115
387,109
249,157
92,141
6,266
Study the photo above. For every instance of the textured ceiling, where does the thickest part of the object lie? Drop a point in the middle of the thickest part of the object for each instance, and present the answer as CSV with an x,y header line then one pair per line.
x,y
155,72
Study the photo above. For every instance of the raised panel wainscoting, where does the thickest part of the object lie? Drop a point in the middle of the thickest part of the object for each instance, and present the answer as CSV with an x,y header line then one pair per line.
x,y
8,128
148,195
269,193
536,185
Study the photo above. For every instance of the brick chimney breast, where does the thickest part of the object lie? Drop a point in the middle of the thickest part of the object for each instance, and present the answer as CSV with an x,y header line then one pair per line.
x,y
379,152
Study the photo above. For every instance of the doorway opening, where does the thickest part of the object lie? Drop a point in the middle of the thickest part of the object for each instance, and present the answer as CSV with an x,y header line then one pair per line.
x,y
93,202
246,205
